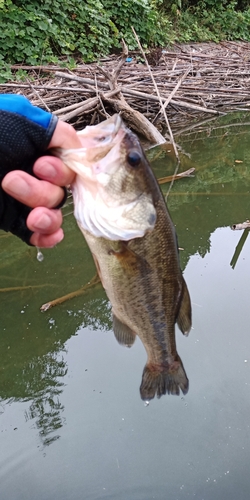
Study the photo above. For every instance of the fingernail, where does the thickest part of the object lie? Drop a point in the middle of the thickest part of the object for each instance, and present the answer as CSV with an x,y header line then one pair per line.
x,y
45,169
60,236
17,186
43,222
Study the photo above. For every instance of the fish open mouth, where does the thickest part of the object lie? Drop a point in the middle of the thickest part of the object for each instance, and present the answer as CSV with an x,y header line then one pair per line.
x,y
110,196
100,135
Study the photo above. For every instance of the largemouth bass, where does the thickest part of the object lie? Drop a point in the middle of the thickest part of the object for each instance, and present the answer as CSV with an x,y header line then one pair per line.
x,y
123,216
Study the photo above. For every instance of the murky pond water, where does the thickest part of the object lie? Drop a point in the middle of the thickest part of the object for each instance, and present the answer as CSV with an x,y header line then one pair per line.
x,y
72,424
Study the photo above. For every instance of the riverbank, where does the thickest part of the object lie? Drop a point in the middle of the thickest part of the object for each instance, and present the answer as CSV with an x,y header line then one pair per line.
x,y
194,83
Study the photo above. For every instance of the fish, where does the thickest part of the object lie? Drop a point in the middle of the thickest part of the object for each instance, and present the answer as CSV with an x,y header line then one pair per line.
x,y
122,214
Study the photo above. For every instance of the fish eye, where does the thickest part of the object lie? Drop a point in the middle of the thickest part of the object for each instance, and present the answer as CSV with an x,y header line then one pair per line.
x,y
134,159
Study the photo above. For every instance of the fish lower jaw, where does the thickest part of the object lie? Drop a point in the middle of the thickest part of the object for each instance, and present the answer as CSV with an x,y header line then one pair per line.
x,y
102,226
109,232
111,221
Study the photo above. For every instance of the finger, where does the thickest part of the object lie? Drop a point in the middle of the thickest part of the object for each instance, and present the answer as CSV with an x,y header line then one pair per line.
x,y
52,169
43,220
65,137
31,191
47,241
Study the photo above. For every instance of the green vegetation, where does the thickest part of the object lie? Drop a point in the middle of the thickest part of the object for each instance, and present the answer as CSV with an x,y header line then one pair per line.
x,y
210,20
40,31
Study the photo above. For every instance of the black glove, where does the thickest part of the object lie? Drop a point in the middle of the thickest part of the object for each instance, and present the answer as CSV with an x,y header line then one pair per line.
x,y
25,133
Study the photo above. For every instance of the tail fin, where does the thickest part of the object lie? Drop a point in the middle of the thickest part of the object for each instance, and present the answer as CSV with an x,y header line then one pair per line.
x,y
160,380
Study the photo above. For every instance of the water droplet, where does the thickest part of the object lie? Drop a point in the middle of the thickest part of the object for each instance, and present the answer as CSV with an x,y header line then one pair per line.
x,y
39,255
146,403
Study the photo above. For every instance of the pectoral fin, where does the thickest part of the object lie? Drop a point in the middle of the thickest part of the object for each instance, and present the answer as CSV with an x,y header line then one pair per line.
x,y
123,333
184,318
129,260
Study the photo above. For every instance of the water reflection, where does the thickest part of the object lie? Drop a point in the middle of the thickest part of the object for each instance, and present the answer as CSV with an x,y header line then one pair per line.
x,y
39,378
238,248
33,362
46,407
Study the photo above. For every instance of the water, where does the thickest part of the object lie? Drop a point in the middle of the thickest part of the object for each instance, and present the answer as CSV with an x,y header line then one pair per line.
x,y
39,255
72,424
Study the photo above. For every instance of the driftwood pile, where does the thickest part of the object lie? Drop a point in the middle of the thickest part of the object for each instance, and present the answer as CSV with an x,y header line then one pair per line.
x,y
171,89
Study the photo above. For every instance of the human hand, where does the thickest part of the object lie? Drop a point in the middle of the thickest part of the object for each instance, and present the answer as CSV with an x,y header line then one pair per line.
x,y
45,193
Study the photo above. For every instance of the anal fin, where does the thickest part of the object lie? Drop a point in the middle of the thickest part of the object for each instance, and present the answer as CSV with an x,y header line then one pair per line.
x,y
123,334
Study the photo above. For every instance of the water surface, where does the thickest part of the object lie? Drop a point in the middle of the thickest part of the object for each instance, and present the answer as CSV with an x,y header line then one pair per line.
x,y
72,423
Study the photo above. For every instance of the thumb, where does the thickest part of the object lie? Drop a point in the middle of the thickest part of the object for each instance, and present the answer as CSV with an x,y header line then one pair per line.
x,y
64,137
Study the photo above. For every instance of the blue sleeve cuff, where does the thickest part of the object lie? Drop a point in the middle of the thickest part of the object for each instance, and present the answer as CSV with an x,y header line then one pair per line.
x,y
18,104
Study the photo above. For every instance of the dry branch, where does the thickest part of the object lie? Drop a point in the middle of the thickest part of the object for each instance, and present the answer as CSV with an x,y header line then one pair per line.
x,y
193,81
93,282
133,117
240,226
170,178
158,94
136,120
